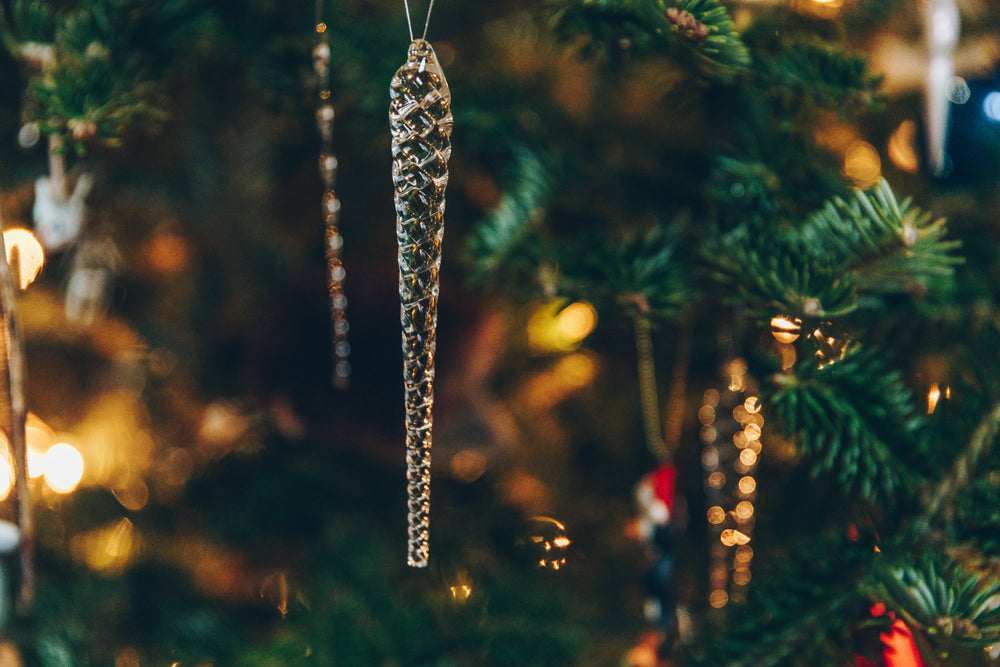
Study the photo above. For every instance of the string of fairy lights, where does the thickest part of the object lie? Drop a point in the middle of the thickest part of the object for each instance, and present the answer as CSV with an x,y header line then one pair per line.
x,y
731,435
331,207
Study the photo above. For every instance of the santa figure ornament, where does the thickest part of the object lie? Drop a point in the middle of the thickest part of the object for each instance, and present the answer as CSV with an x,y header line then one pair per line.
x,y
656,498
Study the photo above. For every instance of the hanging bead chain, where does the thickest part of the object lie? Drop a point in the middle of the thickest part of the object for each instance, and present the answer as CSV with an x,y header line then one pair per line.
x,y
331,208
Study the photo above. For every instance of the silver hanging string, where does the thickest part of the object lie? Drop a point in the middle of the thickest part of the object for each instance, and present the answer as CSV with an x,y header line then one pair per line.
x,y
409,22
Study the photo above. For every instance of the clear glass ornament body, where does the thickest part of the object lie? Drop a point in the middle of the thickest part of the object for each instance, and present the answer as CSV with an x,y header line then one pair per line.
x,y
421,122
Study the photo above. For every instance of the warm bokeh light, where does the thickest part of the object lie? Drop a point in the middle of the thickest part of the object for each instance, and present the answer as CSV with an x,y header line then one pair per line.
x,y
862,164
748,457
741,577
468,465
711,397
553,328
718,598
732,537
785,329
576,321
106,549
752,431
716,480
744,510
6,470
902,147
38,436
63,467
716,515
747,484
751,405
30,255
706,415
933,396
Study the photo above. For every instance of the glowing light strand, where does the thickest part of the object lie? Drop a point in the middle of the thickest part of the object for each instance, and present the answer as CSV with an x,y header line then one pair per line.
x,y
731,436
331,208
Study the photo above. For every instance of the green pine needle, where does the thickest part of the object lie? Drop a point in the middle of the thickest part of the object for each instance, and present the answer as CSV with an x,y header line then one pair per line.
x,y
499,245
817,72
29,21
845,418
889,246
641,273
942,600
697,31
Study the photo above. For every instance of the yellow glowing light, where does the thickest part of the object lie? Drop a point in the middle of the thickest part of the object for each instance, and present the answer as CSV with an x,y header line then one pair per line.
x,y
744,510
933,396
747,484
752,431
460,592
709,434
740,439
38,435
576,321
862,164
744,554
132,494
706,415
754,446
716,515
732,537
711,397
718,598
468,465
30,255
788,356
710,457
902,147
716,480
740,413
6,470
751,405
321,27
108,548
748,457
558,329
785,329
741,577
63,467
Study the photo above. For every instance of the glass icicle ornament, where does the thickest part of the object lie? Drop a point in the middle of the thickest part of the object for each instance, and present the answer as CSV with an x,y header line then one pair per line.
x,y
420,121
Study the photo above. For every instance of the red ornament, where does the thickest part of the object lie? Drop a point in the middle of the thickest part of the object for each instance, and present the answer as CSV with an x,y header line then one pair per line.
x,y
899,648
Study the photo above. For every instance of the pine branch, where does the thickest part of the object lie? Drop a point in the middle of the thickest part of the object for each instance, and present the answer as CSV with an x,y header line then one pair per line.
x,y
773,279
641,273
815,72
889,246
29,23
983,438
699,32
938,598
846,416
499,246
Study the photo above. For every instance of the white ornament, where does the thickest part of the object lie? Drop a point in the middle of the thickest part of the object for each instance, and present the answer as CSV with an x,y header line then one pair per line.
x,y
941,21
58,221
10,537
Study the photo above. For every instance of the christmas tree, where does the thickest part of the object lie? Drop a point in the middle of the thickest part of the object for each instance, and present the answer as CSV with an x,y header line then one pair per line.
x,y
716,371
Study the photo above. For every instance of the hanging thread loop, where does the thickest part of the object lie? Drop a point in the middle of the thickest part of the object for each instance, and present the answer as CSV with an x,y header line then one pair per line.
x,y
409,22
